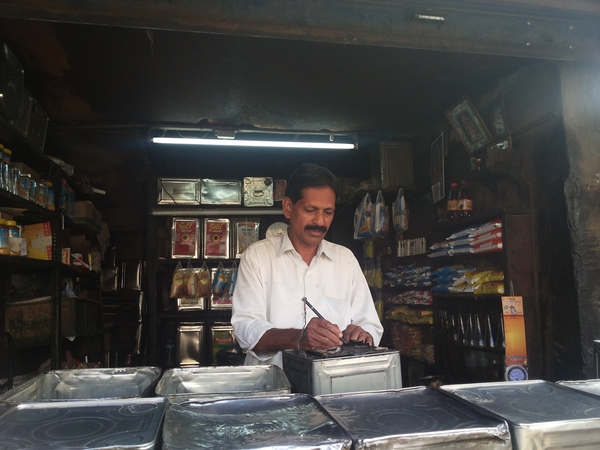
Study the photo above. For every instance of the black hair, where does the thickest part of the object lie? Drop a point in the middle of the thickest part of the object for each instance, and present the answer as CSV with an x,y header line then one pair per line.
x,y
310,175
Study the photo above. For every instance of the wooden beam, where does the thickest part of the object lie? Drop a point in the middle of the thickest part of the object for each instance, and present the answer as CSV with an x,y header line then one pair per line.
x,y
534,28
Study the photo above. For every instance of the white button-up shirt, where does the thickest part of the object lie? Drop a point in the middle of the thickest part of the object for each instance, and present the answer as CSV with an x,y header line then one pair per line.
x,y
272,280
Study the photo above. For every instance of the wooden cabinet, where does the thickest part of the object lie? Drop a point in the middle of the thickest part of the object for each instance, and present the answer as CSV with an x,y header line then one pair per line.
x,y
465,352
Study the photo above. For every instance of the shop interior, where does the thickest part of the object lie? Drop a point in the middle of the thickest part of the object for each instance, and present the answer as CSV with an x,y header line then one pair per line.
x,y
106,90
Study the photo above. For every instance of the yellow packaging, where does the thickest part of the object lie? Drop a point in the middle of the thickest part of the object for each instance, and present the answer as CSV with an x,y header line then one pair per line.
x,y
39,240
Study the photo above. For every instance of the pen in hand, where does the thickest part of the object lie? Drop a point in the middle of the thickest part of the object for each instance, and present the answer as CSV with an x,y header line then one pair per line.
x,y
319,315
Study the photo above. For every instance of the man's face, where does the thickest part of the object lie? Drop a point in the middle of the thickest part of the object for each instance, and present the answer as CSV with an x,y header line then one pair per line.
x,y
310,217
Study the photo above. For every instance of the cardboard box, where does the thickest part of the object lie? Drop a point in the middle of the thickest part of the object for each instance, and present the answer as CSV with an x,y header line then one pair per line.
x,y
39,240
30,321
87,216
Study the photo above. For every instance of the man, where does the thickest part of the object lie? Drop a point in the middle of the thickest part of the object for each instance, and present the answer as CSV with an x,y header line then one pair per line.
x,y
277,273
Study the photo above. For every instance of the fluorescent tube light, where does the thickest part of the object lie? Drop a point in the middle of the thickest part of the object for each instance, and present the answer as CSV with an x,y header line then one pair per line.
x,y
252,143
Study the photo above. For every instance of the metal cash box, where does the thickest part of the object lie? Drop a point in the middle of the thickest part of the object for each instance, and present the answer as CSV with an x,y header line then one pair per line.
x,y
349,368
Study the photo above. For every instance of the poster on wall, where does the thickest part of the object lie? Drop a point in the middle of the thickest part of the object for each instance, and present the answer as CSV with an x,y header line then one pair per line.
x,y
468,125
437,169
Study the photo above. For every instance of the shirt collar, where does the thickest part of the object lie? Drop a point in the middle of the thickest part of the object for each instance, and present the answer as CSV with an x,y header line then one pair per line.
x,y
325,247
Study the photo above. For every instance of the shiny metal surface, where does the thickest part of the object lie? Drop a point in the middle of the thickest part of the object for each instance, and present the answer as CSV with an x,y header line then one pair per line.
x,y
179,385
591,386
348,370
83,384
91,424
540,414
417,417
294,421
221,192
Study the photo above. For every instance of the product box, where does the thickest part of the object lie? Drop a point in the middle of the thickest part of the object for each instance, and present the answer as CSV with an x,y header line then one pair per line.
x,y
216,238
39,240
221,337
87,216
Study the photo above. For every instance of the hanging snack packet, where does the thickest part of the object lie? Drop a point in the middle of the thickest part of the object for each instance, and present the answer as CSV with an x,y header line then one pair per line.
x,y
204,286
400,213
183,284
220,286
381,216
232,278
363,219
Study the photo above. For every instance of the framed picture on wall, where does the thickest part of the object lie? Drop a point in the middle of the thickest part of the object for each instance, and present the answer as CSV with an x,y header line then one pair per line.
x,y
468,125
499,120
437,169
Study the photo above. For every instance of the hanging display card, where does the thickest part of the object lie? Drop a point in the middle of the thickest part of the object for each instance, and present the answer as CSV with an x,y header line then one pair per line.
x,y
216,238
245,233
184,238
514,337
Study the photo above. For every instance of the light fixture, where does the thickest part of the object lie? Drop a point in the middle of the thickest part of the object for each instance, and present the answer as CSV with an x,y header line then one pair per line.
x,y
254,138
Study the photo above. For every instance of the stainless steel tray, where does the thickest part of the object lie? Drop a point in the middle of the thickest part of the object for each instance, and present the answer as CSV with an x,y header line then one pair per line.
x,y
540,414
417,417
272,422
91,424
180,385
83,384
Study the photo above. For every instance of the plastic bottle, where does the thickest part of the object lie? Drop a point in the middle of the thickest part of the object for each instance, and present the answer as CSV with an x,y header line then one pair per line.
x,y
452,204
6,155
13,232
4,249
465,203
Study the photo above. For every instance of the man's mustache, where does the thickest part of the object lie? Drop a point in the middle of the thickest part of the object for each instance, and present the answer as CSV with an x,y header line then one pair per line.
x,y
315,228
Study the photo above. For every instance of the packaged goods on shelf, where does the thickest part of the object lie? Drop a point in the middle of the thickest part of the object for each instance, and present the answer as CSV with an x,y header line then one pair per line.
x,y
185,236
178,191
489,226
411,275
415,297
410,314
215,244
39,240
411,247
413,340
452,270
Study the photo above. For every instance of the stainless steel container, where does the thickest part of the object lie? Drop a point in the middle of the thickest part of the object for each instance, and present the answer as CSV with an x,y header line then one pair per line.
x,y
540,414
178,191
84,384
591,386
346,369
179,385
91,424
190,344
258,191
221,192
273,422
417,417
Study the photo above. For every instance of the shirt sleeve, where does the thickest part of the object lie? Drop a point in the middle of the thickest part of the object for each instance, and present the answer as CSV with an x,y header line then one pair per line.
x,y
249,305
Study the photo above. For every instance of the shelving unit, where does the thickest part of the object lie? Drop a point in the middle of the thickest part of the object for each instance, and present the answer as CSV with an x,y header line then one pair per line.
x,y
456,357
28,212
163,321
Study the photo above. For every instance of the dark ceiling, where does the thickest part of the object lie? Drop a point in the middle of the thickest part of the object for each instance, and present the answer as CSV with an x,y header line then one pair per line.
x,y
104,87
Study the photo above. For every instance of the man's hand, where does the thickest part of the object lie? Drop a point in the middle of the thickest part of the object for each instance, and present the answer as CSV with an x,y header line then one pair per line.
x,y
319,333
356,333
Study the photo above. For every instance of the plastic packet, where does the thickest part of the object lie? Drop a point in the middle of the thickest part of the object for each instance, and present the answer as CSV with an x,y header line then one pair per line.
x,y
204,287
400,213
220,286
232,277
183,284
363,219
381,216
